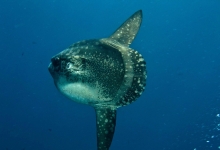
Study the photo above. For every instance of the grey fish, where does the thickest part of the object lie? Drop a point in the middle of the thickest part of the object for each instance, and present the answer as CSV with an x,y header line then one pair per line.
x,y
103,73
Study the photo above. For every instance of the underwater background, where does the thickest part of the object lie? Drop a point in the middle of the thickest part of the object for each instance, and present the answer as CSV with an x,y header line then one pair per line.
x,y
180,41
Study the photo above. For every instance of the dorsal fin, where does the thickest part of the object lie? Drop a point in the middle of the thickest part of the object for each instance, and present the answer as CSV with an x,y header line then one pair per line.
x,y
126,33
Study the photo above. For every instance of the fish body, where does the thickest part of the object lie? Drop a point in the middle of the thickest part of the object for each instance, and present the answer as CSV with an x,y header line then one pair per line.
x,y
103,73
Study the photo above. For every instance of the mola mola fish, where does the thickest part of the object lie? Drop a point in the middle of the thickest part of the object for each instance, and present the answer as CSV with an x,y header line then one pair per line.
x,y
103,73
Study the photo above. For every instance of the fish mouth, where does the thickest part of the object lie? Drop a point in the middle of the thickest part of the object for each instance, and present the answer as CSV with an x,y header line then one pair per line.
x,y
50,68
55,75
53,69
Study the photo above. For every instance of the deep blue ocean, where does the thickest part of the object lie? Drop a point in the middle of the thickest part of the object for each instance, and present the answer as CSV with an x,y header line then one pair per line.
x,y
180,41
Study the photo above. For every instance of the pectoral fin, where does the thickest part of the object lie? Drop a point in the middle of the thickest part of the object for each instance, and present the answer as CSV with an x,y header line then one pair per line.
x,y
105,123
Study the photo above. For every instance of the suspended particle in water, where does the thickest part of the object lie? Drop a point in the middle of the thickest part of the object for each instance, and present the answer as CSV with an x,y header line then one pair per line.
x,y
218,127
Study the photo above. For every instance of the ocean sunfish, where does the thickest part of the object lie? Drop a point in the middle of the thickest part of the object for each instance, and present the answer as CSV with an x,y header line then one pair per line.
x,y
103,73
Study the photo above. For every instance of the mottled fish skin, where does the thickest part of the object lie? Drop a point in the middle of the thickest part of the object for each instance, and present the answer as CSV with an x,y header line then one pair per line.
x,y
103,73
90,66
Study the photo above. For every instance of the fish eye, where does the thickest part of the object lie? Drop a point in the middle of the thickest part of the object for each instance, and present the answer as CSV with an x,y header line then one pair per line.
x,y
69,65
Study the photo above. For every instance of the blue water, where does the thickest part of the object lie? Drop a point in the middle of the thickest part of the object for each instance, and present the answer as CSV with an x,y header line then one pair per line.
x,y
180,41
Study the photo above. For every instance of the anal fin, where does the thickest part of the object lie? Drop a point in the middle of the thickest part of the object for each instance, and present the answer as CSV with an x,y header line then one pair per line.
x,y
105,123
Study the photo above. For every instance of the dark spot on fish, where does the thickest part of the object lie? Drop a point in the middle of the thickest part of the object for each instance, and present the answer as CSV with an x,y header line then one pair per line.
x,y
50,130
22,54
34,42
